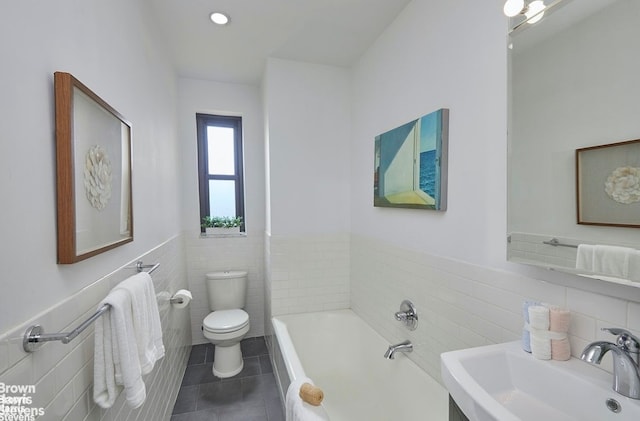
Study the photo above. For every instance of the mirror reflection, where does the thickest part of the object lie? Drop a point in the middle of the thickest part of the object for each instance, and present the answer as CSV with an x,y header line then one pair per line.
x,y
574,86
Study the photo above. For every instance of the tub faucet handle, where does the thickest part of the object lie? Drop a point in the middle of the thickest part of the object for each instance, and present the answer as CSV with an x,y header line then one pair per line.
x,y
408,315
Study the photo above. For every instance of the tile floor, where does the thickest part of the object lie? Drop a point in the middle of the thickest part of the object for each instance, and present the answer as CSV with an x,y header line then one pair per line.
x,y
252,395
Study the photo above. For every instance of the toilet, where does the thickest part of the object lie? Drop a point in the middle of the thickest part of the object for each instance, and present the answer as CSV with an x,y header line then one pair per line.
x,y
227,323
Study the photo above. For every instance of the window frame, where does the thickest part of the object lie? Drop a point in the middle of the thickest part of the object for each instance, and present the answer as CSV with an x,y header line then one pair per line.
x,y
235,122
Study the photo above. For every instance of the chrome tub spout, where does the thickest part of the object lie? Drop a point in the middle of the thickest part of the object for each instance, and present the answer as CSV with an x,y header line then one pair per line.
x,y
405,346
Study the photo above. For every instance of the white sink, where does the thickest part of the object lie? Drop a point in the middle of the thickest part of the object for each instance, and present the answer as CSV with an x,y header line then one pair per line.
x,y
502,382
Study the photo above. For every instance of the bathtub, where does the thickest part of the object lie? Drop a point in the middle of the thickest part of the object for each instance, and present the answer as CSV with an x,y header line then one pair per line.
x,y
343,355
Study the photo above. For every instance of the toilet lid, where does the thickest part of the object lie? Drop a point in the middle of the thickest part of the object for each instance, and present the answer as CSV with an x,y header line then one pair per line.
x,y
223,321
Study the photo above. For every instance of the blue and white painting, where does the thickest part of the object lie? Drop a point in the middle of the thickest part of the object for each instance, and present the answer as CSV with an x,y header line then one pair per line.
x,y
411,164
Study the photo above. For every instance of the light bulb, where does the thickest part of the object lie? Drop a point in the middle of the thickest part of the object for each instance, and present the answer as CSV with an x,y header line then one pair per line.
x,y
532,11
219,18
513,7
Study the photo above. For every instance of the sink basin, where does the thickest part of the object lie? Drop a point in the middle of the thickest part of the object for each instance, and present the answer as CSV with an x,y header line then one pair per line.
x,y
502,382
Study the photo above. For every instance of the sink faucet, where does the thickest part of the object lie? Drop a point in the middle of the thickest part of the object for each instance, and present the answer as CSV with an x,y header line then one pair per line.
x,y
405,346
625,352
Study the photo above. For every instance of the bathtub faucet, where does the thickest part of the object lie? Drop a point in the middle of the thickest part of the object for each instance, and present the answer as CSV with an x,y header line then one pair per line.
x,y
405,346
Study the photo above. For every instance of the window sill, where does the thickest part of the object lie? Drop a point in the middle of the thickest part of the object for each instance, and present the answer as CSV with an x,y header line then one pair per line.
x,y
231,235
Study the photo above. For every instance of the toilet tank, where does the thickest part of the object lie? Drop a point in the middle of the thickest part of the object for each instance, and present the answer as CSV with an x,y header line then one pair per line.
x,y
226,290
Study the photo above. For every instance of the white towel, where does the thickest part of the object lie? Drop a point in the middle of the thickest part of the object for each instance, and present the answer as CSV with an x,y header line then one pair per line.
x,y
116,359
621,262
611,260
584,258
146,319
297,409
634,266
539,326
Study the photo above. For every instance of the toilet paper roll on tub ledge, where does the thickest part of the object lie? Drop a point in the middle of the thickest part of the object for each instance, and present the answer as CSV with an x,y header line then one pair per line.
x,y
181,298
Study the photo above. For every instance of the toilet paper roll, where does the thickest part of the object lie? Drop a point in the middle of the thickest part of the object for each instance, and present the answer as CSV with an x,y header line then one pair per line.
x,y
181,294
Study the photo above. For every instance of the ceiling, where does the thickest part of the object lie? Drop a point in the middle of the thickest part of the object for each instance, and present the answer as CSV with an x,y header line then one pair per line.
x,y
331,32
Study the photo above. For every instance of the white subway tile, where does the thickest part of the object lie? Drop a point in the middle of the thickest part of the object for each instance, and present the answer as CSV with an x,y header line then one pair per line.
x,y
601,307
633,318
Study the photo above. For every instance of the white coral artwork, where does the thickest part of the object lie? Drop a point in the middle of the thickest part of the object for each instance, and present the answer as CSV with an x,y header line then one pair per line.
x,y
97,177
623,185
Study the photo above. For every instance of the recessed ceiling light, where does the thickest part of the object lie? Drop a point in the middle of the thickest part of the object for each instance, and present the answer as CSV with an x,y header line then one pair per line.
x,y
219,18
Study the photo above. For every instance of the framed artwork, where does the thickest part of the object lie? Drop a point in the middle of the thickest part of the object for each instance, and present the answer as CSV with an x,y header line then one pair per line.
x,y
93,156
410,168
608,184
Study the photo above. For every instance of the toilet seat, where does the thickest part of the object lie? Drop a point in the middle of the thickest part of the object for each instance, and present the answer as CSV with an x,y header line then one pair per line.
x,y
225,321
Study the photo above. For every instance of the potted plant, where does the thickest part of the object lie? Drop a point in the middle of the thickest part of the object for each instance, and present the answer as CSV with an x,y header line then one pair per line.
x,y
221,224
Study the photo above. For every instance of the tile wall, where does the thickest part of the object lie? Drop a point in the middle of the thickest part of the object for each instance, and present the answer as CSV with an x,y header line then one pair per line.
x,y
211,254
308,273
462,305
63,374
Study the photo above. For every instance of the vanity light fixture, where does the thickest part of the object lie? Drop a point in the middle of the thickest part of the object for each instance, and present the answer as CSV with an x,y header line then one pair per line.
x,y
219,18
533,11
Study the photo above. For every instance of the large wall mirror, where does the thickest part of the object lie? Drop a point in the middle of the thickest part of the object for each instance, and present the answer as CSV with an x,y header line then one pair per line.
x,y
574,87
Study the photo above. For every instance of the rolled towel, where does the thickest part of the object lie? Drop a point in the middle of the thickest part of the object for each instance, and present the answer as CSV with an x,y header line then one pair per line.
x,y
539,327
311,394
559,321
297,409
526,335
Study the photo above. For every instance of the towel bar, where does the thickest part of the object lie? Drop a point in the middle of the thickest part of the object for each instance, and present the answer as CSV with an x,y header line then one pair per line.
x,y
555,243
140,267
35,336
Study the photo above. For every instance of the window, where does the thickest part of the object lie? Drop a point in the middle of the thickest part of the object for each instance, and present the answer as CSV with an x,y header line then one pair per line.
x,y
220,166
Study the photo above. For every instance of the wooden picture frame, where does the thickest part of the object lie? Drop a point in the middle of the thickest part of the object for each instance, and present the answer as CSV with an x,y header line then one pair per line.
x,y
93,169
608,184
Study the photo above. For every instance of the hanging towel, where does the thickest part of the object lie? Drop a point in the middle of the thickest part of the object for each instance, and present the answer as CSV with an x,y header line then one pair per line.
x,y
146,319
526,335
620,262
584,258
116,361
634,265
559,320
539,326
297,409
611,260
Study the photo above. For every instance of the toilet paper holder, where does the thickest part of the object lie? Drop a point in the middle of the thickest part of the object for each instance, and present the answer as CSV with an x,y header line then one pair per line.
x,y
176,300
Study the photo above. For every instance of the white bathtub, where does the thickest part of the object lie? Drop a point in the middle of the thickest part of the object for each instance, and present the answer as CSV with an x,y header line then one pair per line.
x,y
343,355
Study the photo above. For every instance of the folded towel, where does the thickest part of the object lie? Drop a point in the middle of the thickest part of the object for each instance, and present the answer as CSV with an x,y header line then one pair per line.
x,y
526,335
621,262
116,359
146,319
297,409
539,325
559,320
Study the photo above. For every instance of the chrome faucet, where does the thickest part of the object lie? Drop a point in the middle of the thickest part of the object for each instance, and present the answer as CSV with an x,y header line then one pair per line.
x,y
625,352
405,346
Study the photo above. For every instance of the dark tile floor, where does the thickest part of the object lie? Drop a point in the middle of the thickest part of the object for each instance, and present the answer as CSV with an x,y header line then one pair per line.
x,y
252,395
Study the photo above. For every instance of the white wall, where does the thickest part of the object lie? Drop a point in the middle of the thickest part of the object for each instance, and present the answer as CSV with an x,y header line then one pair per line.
x,y
111,48
308,130
438,55
215,254
452,264
307,241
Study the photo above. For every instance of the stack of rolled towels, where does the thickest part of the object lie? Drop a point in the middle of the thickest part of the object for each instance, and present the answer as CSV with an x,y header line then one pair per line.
x,y
545,331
